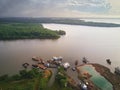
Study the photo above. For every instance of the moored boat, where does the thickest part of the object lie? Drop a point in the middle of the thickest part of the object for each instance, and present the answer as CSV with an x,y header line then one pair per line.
x,y
37,59
117,70
34,65
25,65
84,60
108,61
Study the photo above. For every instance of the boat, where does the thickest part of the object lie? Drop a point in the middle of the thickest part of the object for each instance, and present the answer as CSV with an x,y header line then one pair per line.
x,y
54,58
37,59
25,65
84,60
108,61
76,62
34,65
117,70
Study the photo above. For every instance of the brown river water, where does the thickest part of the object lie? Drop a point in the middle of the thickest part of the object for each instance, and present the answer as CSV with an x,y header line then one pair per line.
x,y
95,43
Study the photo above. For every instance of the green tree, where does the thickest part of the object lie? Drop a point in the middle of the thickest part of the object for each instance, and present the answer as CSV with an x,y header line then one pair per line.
x,y
4,77
16,77
23,73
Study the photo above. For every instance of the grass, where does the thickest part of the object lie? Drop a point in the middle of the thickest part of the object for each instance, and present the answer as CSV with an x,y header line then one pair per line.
x,y
56,86
20,85
32,80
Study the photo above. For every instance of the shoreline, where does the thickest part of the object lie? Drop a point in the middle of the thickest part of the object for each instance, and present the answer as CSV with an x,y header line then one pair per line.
x,y
105,72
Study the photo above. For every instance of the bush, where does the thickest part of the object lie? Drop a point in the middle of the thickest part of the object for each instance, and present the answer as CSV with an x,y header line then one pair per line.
x,y
23,74
28,87
61,32
16,77
61,79
63,82
4,77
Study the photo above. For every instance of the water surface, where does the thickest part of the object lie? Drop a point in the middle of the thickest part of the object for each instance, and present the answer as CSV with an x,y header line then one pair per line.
x,y
95,43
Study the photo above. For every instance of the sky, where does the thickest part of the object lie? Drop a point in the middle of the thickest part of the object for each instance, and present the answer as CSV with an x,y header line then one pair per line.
x,y
60,8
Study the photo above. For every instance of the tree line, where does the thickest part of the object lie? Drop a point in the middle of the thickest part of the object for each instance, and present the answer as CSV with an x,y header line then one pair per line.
x,y
27,31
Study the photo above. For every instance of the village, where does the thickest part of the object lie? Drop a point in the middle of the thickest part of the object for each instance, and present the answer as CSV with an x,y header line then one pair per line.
x,y
83,82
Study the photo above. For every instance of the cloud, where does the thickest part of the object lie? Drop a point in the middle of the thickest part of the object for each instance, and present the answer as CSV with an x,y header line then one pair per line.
x,y
54,8
12,7
115,9
96,6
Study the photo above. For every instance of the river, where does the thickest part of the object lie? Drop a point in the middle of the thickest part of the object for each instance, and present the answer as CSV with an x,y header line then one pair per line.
x,y
95,43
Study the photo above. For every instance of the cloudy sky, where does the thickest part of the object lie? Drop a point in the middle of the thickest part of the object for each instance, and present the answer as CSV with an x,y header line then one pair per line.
x,y
60,8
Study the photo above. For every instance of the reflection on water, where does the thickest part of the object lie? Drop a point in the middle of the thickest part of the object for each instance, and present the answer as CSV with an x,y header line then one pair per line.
x,y
95,43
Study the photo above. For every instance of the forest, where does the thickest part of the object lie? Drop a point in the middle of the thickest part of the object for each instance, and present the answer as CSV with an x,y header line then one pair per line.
x,y
69,21
10,31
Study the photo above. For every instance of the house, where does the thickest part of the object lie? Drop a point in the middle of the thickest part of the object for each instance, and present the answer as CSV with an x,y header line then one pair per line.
x,y
66,65
57,58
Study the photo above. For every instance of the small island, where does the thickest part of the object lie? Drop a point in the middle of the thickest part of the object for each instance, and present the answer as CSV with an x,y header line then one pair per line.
x,y
10,31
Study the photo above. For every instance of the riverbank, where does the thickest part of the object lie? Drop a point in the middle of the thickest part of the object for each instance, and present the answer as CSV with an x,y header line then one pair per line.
x,y
34,79
106,73
111,77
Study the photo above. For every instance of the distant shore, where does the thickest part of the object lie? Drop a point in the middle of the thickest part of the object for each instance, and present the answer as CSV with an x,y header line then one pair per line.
x,y
70,21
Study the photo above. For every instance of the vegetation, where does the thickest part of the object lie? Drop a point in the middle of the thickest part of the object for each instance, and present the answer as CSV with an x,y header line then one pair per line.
x,y
61,78
25,80
33,80
27,31
56,86
71,21
60,32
